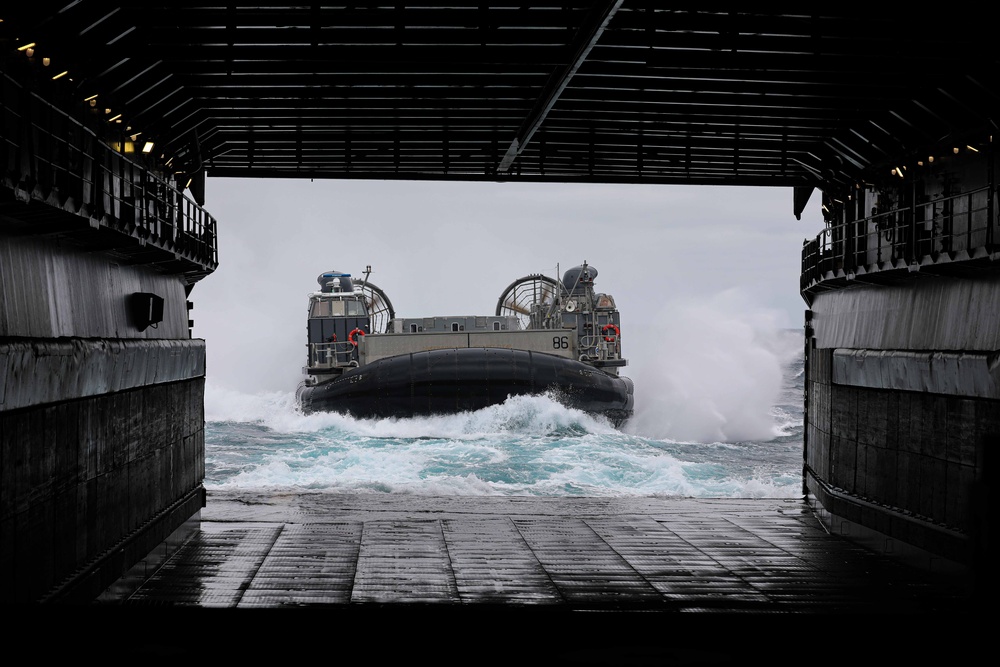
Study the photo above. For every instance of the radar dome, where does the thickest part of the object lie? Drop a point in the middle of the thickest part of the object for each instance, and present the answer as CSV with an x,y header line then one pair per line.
x,y
576,279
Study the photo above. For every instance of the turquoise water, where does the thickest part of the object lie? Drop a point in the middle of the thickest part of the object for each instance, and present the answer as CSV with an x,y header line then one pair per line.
x,y
528,446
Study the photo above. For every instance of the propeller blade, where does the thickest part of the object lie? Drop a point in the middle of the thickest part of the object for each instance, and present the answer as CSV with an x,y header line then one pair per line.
x,y
517,308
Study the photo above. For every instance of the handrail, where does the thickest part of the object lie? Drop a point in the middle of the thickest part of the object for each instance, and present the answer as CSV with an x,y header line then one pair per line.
x,y
950,228
66,164
332,355
604,349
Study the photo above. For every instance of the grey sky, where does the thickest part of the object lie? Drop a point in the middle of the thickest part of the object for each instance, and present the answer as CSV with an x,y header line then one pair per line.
x,y
442,248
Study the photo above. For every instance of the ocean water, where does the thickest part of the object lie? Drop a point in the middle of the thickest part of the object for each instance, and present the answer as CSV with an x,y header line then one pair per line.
x,y
723,422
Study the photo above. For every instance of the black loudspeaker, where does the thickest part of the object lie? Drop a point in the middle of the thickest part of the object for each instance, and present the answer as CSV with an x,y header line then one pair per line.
x,y
145,309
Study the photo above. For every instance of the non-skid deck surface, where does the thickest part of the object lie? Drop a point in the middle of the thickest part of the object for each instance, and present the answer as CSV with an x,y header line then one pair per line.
x,y
381,579
257,550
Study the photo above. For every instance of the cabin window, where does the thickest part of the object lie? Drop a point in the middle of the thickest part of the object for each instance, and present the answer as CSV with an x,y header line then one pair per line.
x,y
327,308
337,308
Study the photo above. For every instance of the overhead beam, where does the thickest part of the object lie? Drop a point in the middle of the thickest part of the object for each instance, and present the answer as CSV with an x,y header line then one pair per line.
x,y
587,37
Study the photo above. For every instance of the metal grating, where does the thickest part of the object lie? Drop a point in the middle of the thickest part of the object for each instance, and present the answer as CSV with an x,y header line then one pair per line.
x,y
621,91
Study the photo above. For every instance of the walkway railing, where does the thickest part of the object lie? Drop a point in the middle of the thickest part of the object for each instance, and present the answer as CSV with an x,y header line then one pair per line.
x,y
596,347
50,157
332,355
946,229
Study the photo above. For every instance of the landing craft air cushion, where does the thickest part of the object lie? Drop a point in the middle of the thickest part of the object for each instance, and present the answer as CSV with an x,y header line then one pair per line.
x,y
547,337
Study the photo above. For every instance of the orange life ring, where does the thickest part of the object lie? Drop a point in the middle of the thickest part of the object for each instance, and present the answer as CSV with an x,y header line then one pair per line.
x,y
609,325
350,336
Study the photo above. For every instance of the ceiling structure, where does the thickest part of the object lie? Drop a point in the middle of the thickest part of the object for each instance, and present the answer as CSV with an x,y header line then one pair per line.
x,y
795,94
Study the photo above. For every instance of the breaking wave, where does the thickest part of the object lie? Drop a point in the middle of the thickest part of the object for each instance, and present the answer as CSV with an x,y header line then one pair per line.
x,y
529,445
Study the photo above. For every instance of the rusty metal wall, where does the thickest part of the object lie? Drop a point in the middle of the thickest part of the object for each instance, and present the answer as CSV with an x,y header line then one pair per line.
x,y
54,290
932,312
101,424
39,371
896,439
92,485
952,373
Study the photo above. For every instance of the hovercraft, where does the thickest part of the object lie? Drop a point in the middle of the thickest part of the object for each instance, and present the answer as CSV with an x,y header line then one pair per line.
x,y
547,336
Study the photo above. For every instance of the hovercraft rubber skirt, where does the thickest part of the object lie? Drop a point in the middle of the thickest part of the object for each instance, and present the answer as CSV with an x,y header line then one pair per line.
x,y
456,380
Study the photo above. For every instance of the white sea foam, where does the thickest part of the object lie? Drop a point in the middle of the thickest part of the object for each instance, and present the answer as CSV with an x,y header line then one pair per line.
x,y
710,371
521,414
532,445
227,405
784,423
